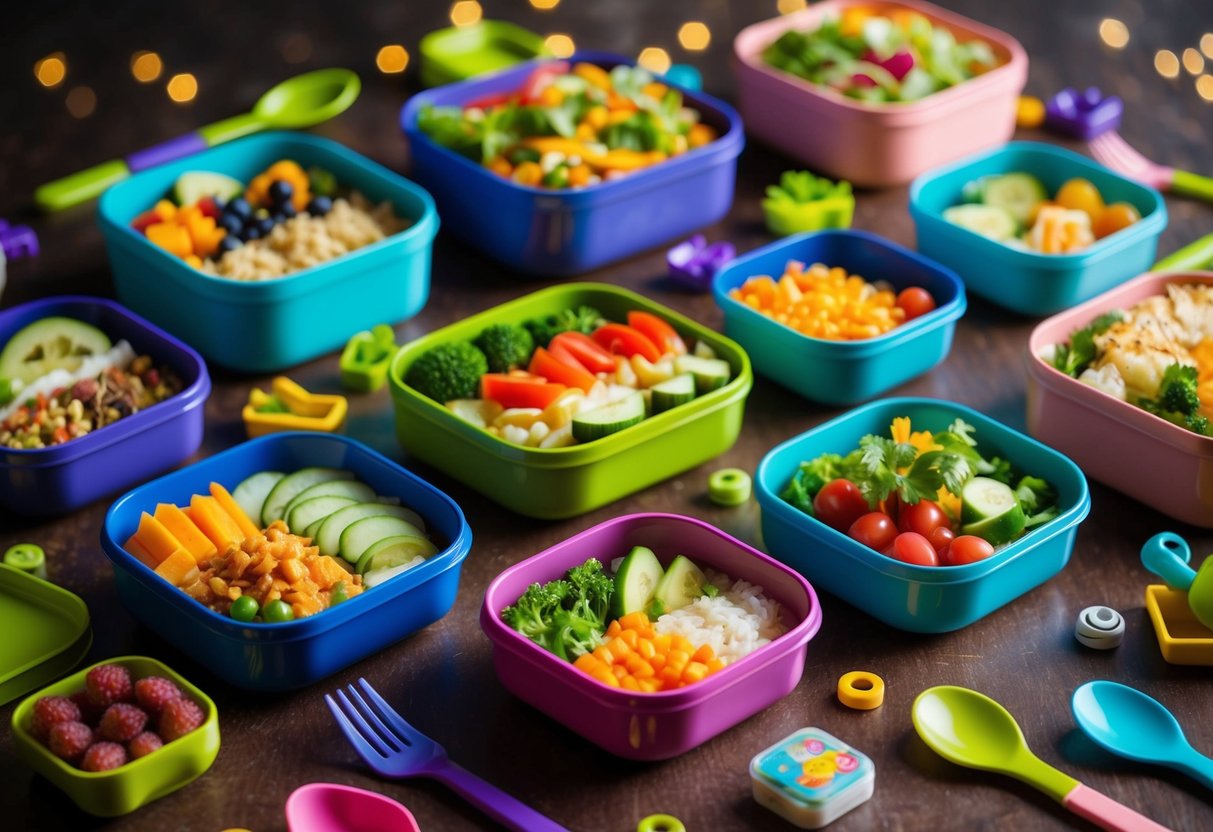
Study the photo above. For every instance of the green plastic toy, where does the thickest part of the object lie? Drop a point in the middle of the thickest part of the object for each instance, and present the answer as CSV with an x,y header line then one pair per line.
x,y
804,202
53,627
365,360
28,557
463,52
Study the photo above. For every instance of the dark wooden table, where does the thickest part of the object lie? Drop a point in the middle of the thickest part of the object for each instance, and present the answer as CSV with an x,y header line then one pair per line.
x,y
1024,655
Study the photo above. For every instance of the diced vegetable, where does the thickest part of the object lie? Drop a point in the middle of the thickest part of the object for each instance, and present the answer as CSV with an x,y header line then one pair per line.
x,y
519,390
608,419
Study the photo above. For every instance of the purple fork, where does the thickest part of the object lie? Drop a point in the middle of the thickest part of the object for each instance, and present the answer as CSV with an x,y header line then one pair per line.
x,y
1114,152
397,750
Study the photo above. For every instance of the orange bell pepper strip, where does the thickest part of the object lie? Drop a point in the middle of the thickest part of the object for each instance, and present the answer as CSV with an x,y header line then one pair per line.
x,y
624,340
547,365
519,390
658,331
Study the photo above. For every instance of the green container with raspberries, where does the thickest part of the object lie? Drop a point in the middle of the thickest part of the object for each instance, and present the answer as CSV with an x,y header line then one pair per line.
x,y
557,435
136,782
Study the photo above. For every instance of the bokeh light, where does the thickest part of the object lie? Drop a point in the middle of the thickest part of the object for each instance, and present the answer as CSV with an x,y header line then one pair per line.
x,y
392,59
51,70
789,6
146,66
81,101
1113,32
694,35
654,59
1166,63
545,4
182,87
466,12
1206,44
1204,86
560,45
1193,61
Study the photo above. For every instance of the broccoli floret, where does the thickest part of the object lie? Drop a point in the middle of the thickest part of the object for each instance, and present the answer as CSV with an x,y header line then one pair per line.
x,y
1178,389
448,371
1074,357
534,613
567,617
592,591
506,346
583,319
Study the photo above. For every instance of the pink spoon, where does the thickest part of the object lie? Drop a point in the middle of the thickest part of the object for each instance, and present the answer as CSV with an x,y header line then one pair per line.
x,y
328,807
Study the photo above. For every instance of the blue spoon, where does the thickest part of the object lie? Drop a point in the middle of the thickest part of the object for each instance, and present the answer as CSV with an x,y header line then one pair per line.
x,y
1167,555
1131,724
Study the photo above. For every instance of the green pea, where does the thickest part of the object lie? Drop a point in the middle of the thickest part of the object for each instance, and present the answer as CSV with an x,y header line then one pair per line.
x,y
278,611
557,177
338,594
245,608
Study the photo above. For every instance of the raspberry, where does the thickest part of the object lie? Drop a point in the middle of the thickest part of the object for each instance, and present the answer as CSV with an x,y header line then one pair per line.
x,y
154,692
121,722
69,739
89,713
50,710
103,756
144,744
107,684
179,718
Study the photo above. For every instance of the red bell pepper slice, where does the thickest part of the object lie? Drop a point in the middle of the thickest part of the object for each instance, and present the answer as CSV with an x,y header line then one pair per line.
x,y
658,331
519,390
582,347
141,222
487,101
624,340
546,364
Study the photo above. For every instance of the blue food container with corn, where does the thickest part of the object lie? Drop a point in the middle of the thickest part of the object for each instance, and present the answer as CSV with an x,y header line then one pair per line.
x,y
563,232
921,599
1027,281
268,325
292,654
843,372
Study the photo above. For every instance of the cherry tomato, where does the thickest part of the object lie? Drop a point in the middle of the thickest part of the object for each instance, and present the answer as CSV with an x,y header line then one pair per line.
x,y
923,517
839,504
1116,216
1081,195
967,548
912,547
875,530
940,537
915,301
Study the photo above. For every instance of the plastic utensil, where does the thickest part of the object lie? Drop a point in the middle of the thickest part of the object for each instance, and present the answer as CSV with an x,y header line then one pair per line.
x,y
1138,727
329,807
1083,115
1167,555
301,101
393,748
54,628
1121,157
1195,255
972,730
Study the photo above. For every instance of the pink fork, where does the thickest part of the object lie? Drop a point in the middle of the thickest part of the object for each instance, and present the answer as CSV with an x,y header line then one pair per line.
x,y
1113,151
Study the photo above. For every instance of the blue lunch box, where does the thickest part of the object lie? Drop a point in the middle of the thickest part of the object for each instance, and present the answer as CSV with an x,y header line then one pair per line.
x,y
922,599
292,654
1027,281
267,325
842,372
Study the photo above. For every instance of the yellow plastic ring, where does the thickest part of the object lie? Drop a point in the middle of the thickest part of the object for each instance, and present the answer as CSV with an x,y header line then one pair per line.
x,y
661,823
861,690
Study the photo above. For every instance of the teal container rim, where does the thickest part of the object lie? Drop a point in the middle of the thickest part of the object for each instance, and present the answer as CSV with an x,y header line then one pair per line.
x,y
1152,222
281,632
442,63
949,312
586,452
22,714
305,281
769,500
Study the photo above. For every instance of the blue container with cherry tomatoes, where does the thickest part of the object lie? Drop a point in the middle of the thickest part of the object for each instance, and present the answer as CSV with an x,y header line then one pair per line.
x,y
934,590
844,372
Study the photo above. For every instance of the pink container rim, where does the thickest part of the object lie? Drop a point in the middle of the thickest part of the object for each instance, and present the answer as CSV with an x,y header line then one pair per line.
x,y
1056,329
521,647
750,41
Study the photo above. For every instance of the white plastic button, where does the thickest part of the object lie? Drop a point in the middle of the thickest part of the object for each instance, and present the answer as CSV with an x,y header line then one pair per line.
x,y
1101,628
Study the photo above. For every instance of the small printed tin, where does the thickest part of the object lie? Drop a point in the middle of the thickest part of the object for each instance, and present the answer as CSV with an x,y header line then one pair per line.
x,y
811,778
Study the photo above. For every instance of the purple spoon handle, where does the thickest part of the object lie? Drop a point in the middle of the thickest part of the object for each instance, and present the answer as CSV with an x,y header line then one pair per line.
x,y
508,811
167,151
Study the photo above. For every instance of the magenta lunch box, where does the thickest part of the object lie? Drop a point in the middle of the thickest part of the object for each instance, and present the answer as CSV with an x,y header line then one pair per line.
x,y
876,144
62,478
652,726
1142,455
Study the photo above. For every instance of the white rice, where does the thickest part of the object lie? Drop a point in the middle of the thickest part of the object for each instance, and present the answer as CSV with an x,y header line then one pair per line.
x,y
734,623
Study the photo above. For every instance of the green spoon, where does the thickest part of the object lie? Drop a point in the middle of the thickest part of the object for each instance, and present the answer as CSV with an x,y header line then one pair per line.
x,y
301,101
972,730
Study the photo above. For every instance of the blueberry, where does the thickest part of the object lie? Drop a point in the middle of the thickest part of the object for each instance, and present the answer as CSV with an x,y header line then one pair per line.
x,y
251,232
284,211
239,207
231,223
320,205
265,225
281,191
229,242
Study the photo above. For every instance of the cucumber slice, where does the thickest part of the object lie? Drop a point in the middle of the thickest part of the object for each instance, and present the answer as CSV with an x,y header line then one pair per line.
x,y
974,190
50,344
193,185
290,485
673,392
365,533
359,492
250,494
710,373
328,536
636,582
378,576
394,551
986,220
682,583
608,419
990,510
1016,193
317,508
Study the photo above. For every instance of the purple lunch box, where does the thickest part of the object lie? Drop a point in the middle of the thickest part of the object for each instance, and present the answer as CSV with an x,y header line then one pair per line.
x,y
62,478
652,726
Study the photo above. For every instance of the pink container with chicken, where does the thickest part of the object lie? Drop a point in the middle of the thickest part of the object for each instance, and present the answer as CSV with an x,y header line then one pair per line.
x,y
876,144
1163,465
